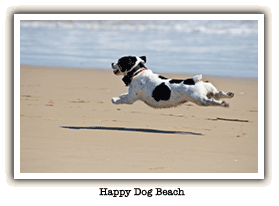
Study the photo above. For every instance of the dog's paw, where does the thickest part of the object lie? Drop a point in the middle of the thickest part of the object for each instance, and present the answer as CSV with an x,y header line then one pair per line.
x,y
114,100
230,94
225,104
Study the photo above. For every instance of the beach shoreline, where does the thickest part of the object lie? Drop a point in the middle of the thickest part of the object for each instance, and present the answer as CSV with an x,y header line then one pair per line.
x,y
165,73
69,125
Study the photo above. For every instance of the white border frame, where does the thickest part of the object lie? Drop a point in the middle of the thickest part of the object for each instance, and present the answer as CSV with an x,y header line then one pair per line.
x,y
259,175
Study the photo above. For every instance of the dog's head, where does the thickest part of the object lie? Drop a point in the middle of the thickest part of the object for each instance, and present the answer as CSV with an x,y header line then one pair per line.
x,y
126,63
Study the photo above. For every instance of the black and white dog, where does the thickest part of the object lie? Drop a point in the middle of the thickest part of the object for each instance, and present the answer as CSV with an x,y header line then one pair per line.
x,y
160,92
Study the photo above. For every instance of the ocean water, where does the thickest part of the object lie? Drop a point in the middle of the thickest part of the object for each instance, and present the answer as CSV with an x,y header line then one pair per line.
x,y
209,47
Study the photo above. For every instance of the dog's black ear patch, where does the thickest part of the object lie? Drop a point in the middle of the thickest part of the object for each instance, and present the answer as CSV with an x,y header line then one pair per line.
x,y
189,82
175,81
126,63
143,58
161,77
161,92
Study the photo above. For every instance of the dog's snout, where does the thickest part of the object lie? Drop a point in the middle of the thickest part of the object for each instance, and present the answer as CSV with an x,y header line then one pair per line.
x,y
113,65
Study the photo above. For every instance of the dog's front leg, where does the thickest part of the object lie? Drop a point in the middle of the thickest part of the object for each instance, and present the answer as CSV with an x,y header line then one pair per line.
x,y
123,99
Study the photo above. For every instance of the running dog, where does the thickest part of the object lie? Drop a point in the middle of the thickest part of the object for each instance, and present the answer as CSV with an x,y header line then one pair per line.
x,y
160,92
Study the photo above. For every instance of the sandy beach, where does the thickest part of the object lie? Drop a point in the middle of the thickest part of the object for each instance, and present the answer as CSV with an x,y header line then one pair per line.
x,y
68,124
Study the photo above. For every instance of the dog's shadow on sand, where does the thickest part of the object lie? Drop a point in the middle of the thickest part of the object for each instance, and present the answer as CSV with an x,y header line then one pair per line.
x,y
132,130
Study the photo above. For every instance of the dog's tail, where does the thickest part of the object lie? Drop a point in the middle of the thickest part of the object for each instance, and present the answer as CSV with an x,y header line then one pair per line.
x,y
197,78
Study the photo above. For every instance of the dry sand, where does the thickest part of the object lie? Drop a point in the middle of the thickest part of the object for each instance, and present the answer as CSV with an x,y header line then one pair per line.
x,y
69,125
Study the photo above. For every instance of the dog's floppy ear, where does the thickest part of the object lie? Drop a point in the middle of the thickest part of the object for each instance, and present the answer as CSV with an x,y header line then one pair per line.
x,y
143,58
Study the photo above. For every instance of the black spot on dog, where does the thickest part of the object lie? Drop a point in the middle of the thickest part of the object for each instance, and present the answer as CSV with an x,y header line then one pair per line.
x,y
161,77
176,81
189,82
161,92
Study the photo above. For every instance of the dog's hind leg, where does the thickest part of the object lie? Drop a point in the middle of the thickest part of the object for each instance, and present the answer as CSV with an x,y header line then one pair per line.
x,y
213,92
221,95
211,102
